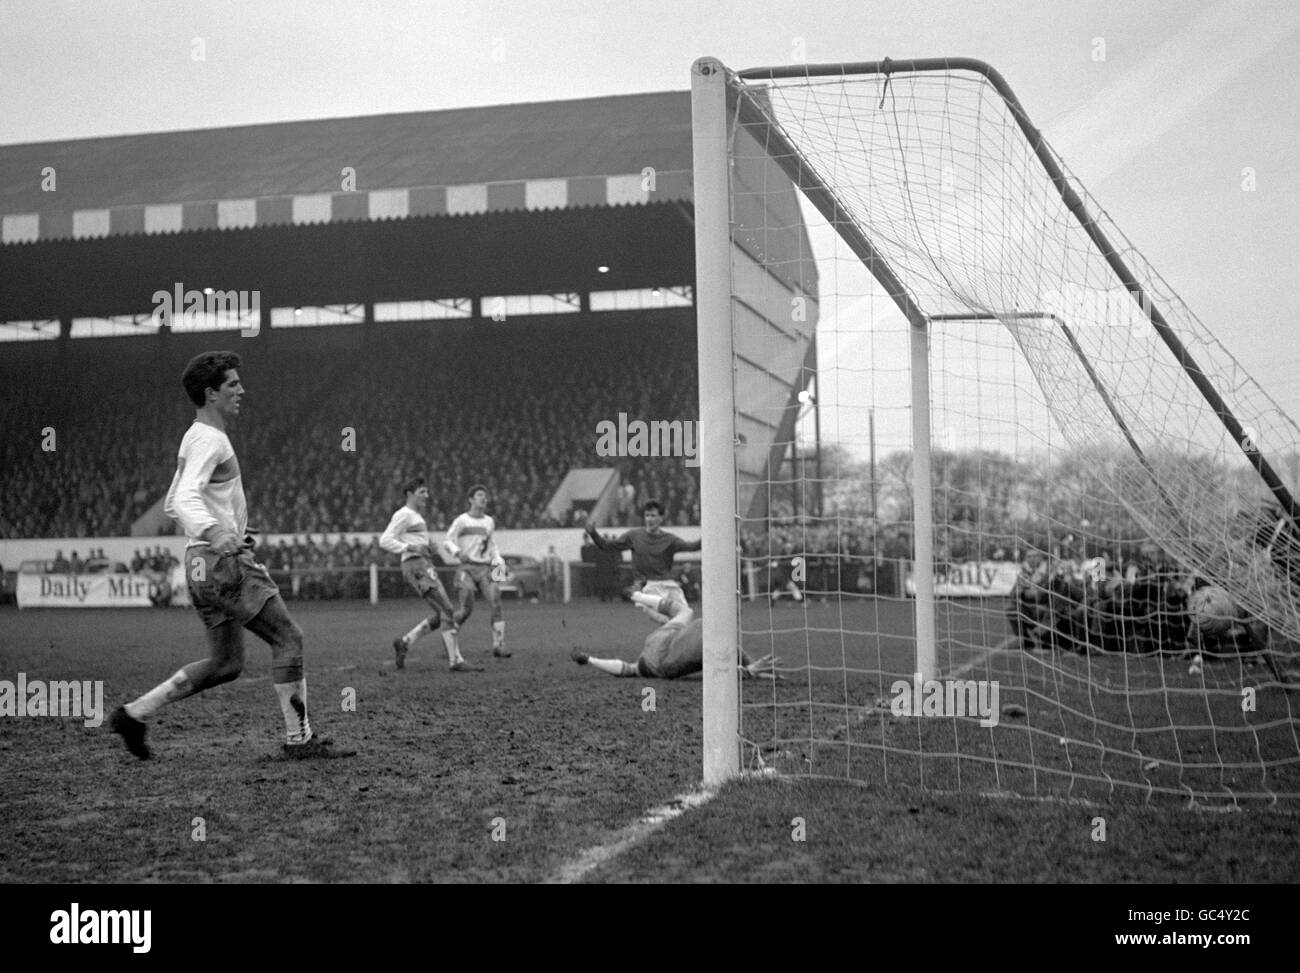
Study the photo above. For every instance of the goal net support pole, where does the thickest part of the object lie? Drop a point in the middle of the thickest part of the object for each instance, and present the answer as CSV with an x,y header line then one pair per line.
x,y
922,505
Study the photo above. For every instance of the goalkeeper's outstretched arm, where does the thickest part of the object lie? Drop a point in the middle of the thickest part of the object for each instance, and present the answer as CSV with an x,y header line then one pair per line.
x,y
619,544
764,668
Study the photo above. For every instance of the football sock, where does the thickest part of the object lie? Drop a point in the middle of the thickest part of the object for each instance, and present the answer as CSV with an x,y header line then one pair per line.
x,y
293,704
177,687
410,637
452,644
615,667
657,608
499,634
649,602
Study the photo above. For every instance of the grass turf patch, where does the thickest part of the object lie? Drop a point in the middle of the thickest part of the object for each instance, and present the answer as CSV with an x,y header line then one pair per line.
x,y
808,830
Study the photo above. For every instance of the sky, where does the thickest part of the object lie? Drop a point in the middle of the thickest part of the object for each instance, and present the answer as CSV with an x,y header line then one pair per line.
x,y
1158,107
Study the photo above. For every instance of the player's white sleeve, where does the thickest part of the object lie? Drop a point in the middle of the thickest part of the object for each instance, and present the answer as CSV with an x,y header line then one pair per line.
x,y
490,548
397,526
453,534
187,505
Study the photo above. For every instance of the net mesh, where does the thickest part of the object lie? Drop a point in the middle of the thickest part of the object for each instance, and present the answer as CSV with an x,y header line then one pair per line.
x,y
1111,567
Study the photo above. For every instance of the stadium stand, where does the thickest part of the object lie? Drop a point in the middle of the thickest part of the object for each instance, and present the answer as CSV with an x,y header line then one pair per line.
x,y
513,404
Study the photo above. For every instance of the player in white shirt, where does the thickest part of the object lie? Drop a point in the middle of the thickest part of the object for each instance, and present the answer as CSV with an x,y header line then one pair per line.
x,y
480,564
229,589
408,535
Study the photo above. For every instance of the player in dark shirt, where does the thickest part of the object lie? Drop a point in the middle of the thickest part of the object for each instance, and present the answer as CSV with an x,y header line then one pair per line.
x,y
653,550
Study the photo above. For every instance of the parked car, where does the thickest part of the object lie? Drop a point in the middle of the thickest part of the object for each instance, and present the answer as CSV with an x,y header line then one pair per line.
x,y
523,576
102,565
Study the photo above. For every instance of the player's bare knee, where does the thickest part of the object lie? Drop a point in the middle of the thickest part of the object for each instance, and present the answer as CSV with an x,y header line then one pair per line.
x,y
225,670
286,649
677,613
226,661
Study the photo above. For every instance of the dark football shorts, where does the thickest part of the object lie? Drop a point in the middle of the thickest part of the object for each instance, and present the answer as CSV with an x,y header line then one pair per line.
x,y
473,575
421,575
231,587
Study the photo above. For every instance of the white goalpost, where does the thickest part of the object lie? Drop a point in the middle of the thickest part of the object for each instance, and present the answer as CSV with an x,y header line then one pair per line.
x,y
719,575
1036,524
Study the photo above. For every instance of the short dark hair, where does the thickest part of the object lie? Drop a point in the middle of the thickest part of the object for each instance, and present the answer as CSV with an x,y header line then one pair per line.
x,y
207,371
411,485
652,505
476,488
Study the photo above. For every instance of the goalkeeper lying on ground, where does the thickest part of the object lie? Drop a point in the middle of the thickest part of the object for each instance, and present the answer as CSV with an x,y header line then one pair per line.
x,y
673,650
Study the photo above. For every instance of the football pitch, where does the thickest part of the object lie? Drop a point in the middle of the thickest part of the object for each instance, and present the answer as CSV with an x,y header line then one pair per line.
x,y
516,773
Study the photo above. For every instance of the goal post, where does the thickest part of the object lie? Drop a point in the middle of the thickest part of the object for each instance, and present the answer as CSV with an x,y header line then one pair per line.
x,y
719,563
1091,493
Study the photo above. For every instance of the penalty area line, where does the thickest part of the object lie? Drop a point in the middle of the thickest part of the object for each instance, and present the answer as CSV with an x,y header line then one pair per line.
x,y
1006,645
979,659
576,869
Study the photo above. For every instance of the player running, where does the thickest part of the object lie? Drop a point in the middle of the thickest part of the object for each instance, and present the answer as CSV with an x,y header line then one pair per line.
x,y
407,535
230,590
470,542
673,650
652,560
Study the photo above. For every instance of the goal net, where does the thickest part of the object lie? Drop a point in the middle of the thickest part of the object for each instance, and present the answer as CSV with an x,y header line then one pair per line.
x,y
1010,515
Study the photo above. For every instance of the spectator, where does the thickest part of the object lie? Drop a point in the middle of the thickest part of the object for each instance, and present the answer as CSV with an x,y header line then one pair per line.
x,y
552,575
607,569
626,504
536,438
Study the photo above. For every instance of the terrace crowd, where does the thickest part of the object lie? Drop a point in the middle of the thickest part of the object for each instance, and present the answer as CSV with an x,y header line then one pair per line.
x,y
327,437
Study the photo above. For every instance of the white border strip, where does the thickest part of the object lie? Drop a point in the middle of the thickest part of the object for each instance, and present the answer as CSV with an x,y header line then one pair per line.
x,y
576,869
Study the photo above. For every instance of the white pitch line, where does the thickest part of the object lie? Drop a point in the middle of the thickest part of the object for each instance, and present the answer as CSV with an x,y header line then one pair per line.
x,y
578,868
1005,645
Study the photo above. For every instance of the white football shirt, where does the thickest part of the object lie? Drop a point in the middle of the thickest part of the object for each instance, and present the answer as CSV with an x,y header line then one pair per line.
x,y
207,488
